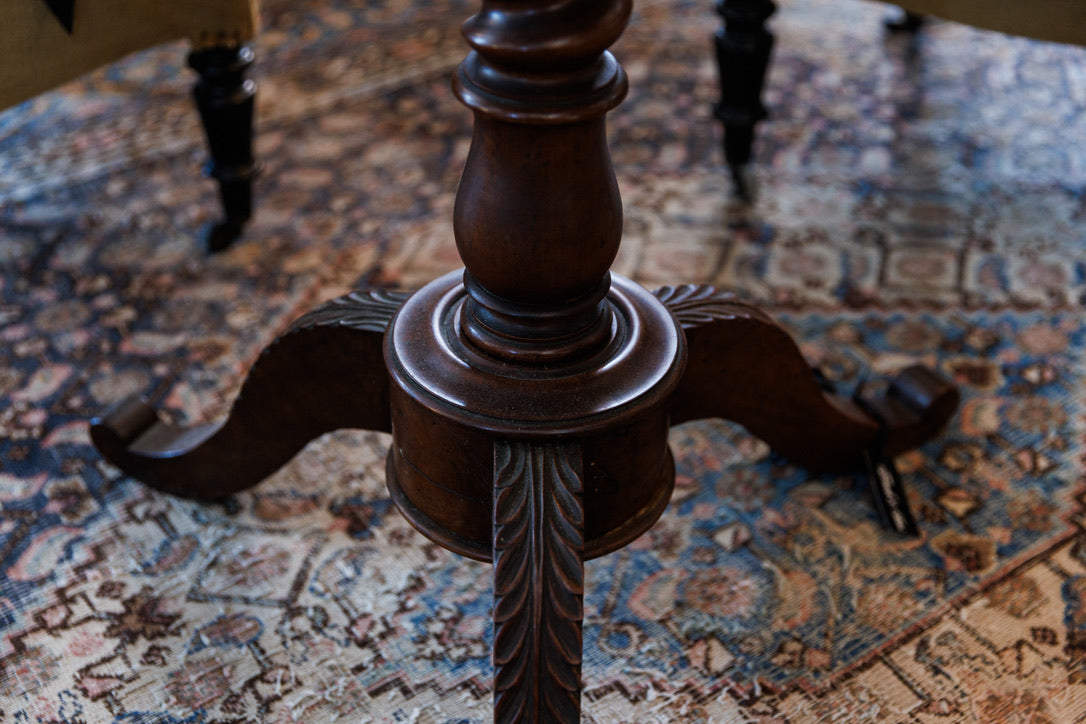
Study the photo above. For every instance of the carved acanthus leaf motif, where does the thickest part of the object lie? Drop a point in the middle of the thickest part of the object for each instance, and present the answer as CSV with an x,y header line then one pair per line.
x,y
696,304
538,582
369,311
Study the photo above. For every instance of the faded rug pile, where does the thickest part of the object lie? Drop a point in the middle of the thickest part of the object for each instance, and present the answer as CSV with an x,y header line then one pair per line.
x,y
917,201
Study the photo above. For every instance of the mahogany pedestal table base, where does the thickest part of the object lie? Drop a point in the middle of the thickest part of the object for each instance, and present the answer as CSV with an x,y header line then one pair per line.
x,y
529,396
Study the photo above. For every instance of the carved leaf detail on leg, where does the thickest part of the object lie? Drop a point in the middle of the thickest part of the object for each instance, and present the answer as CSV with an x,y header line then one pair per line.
x,y
694,304
538,582
368,311
742,366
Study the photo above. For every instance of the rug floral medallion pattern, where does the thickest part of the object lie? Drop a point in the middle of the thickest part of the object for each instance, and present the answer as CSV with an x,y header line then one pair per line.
x,y
905,213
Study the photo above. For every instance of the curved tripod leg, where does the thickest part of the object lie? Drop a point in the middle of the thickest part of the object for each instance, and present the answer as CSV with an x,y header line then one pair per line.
x,y
745,368
324,373
538,581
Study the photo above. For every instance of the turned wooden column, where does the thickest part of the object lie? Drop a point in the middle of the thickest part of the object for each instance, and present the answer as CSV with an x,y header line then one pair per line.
x,y
538,217
534,340
529,395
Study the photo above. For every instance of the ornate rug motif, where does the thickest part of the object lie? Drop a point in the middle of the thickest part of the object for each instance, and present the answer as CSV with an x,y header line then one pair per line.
x,y
312,597
909,209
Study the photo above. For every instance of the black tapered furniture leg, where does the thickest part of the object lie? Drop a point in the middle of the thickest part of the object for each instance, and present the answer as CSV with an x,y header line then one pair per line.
x,y
743,47
225,100
906,22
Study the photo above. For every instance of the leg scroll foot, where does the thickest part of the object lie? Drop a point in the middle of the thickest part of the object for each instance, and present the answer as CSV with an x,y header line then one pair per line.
x,y
325,373
745,368
911,407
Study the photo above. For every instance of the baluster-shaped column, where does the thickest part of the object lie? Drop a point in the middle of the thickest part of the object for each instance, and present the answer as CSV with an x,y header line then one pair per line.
x,y
529,391
534,339
538,217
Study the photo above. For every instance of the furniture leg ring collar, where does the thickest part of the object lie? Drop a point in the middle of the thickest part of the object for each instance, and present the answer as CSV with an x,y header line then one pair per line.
x,y
451,404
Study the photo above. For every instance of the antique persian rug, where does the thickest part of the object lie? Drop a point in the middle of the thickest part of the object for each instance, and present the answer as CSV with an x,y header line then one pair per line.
x,y
917,201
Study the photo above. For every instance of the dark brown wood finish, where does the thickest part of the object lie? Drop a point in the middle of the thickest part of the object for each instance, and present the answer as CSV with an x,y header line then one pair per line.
x,y
744,367
538,581
529,396
451,401
324,373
